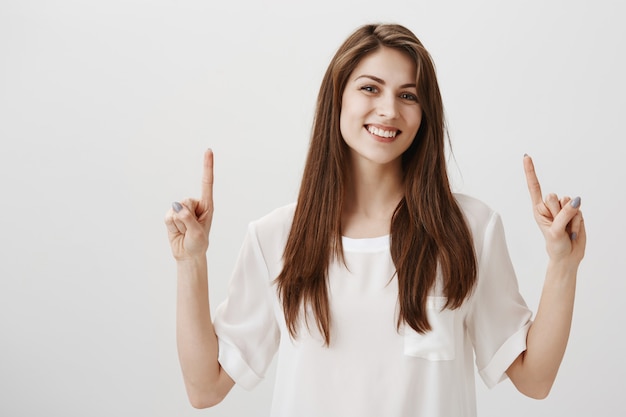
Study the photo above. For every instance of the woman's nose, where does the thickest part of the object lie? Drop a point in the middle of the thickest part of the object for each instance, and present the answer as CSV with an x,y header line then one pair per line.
x,y
386,106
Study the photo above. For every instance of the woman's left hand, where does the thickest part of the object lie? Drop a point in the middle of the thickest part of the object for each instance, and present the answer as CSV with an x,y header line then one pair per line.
x,y
560,220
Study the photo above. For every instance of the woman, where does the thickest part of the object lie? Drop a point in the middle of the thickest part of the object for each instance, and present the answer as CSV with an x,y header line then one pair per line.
x,y
379,286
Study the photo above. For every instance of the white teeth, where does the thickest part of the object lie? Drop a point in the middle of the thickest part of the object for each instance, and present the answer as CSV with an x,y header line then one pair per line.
x,y
382,133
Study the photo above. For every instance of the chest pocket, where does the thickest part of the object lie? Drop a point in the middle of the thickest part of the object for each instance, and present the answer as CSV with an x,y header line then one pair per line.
x,y
438,344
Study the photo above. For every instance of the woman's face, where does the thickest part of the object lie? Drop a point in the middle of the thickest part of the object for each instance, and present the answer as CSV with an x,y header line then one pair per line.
x,y
380,114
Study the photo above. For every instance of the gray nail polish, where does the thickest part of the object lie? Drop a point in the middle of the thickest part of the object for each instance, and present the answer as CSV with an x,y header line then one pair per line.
x,y
573,236
575,202
177,206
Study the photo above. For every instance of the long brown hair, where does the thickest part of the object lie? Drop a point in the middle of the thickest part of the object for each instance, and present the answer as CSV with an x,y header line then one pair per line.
x,y
428,230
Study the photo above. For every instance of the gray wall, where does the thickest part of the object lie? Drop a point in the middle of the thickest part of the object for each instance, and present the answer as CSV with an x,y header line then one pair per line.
x,y
106,108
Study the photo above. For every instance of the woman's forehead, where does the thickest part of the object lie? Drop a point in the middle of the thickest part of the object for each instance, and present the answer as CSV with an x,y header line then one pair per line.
x,y
386,66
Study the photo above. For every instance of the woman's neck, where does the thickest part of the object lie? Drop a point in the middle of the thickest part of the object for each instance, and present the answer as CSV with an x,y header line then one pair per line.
x,y
371,197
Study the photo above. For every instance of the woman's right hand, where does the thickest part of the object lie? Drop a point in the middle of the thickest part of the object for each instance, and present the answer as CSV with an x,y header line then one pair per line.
x,y
189,221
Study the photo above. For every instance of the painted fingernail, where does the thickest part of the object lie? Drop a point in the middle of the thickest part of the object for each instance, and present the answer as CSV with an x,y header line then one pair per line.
x,y
177,206
575,202
573,236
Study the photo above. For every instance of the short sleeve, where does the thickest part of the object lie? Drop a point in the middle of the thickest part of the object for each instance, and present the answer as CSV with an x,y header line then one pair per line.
x,y
499,319
245,324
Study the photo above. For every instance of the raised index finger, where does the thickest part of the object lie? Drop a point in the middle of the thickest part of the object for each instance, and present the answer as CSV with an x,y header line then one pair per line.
x,y
207,179
532,181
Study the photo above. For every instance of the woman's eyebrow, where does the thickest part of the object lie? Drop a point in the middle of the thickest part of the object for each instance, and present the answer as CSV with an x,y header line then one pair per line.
x,y
381,81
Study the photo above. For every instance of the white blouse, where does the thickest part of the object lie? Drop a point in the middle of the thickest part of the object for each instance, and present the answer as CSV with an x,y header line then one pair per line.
x,y
371,368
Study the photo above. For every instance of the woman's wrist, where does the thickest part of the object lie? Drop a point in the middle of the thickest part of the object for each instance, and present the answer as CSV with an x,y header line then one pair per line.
x,y
193,266
562,269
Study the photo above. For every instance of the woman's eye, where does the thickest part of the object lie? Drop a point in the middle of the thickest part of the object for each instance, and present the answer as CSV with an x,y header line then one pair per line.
x,y
369,88
408,96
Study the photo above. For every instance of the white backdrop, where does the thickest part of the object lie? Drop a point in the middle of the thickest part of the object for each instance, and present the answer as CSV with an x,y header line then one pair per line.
x,y
107,107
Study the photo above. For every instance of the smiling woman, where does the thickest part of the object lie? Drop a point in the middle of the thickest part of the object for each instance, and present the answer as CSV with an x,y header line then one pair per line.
x,y
380,113
380,117
379,286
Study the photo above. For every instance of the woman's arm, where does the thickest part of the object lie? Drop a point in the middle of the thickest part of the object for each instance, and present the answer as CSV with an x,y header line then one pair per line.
x,y
561,223
188,225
